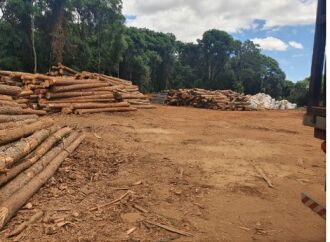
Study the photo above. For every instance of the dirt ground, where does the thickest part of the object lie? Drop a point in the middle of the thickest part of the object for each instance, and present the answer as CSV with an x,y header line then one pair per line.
x,y
191,169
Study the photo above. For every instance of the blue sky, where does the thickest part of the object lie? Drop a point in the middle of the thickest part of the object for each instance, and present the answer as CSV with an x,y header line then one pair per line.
x,y
284,29
296,63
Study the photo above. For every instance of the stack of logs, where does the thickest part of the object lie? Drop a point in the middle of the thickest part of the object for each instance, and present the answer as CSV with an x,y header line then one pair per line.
x,y
73,92
200,98
31,150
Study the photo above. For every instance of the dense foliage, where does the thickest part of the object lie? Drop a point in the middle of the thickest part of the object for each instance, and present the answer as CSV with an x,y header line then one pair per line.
x,y
91,35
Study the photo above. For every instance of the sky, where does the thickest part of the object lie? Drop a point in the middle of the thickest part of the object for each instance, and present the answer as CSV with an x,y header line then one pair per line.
x,y
284,29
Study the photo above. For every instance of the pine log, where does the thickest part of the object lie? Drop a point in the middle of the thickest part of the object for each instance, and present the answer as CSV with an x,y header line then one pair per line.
x,y
16,123
10,90
25,93
33,111
92,99
101,110
9,208
144,106
9,103
15,118
5,97
77,87
15,133
50,95
23,178
88,105
72,81
22,100
23,147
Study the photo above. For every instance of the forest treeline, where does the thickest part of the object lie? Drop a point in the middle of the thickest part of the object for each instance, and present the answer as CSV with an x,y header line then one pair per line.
x,y
91,35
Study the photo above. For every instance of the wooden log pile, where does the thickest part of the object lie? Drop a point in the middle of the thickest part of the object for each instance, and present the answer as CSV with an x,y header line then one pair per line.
x,y
200,98
31,150
68,91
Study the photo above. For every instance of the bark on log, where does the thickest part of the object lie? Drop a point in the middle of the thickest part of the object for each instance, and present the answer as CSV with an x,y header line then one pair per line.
x,y
36,155
9,103
43,102
23,178
5,97
101,110
88,105
72,81
77,87
23,147
50,95
9,125
13,134
9,208
10,90
144,106
15,118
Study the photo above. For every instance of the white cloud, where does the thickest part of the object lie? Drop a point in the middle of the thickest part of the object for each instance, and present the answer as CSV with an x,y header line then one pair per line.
x,y
189,19
271,43
296,45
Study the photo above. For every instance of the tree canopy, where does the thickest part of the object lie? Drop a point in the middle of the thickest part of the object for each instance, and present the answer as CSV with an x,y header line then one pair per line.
x,y
91,35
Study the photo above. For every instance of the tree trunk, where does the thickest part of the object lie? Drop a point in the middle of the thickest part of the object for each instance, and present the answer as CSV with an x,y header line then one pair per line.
x,y
14,124
13,134
35,156
22,179
10,90
57,31
33,40
15,118
78,86
88,105
23,147
9,208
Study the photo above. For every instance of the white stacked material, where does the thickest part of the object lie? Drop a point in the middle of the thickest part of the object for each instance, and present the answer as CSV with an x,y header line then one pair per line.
x,y
264,101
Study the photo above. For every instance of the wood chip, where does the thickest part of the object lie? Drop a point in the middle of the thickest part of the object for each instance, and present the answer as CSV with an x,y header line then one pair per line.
x,y
130,230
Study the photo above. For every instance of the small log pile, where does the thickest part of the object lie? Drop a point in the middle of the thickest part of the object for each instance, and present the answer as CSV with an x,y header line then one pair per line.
x,y
31,150
217,100
68,91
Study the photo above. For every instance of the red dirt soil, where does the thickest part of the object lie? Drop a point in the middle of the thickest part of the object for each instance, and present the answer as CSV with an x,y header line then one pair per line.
x,y
191,169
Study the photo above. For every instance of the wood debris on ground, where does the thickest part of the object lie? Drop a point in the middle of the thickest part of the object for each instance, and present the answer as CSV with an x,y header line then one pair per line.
x,y
200,98
69,91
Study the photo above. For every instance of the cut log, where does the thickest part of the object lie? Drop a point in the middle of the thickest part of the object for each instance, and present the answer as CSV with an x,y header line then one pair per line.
x,y
9,208
36,155
43,102
77,87
71,81
14,118
5,97
23,178
23,147
13,134
144,106
102,110
50,95
9,125
9,90
8,103
88,105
